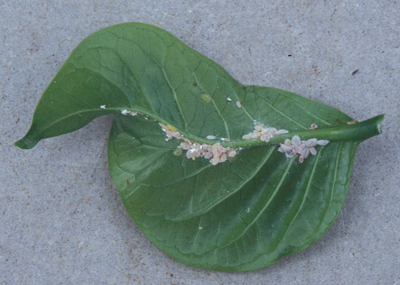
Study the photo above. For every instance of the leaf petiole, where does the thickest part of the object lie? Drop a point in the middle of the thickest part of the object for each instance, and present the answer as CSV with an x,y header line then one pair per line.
x,y
359,131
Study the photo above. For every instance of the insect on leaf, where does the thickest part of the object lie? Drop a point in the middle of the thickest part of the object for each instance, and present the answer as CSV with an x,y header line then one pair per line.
x,y
216,174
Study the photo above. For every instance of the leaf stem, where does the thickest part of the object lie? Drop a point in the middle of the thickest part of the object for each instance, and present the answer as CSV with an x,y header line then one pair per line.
x,y
359,131
354,132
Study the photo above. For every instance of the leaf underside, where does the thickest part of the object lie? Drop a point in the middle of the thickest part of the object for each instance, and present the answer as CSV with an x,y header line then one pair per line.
x,y
243,214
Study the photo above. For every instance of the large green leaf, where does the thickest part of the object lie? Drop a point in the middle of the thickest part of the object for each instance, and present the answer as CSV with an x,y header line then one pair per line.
x,y
241,214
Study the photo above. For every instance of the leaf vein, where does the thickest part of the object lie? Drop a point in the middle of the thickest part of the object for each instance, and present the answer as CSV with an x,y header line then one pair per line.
x,y
251,176
215,106
266,204
281,113
305,193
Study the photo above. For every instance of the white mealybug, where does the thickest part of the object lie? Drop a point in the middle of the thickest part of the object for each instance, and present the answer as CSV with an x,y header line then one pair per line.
x,y
301,148
228,99
239,104
281,132
103,106
311,142
353,122
263,133
322,142
126,112
210,137
215,153
170,131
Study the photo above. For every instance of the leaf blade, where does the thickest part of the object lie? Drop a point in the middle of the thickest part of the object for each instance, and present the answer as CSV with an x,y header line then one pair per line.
x,y
243,214
155,226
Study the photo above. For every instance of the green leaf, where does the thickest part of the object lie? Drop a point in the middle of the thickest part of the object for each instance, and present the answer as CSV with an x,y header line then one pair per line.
x,y
241,214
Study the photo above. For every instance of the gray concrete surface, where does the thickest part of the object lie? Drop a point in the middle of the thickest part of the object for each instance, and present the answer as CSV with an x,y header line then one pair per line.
x,y
61,218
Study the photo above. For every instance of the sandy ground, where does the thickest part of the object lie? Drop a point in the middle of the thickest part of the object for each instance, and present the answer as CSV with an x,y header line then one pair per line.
x,y
61,218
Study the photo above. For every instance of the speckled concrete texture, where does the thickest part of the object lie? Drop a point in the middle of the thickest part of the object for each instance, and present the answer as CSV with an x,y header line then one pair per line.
x,y
61,218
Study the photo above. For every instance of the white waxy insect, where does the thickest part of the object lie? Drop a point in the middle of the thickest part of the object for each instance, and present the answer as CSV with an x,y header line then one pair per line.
x,y
266,137
311,142
222,157
284,148
322,142
289,154
200,228
210,137
126,112
301,148
170,131
214,160
232,153
296,140
263,133
239,104
246,137
228,99
306,152
216,153
208,155
190,155
288,142
281,132
103,106
185,145
271,131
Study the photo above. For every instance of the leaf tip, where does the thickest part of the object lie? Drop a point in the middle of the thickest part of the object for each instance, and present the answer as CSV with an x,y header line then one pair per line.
x,y
379,120
25,143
